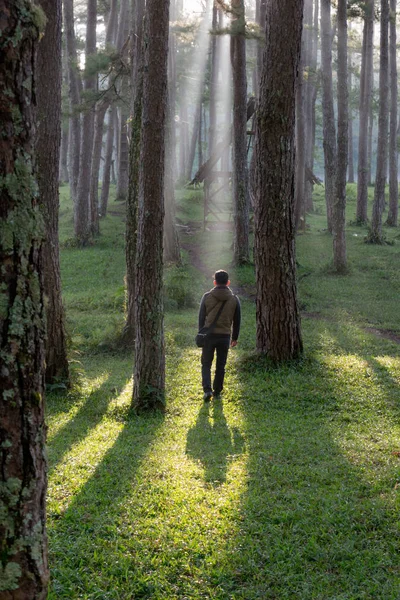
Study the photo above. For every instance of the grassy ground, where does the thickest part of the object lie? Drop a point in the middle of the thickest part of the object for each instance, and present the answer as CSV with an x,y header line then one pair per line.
x,y
287,488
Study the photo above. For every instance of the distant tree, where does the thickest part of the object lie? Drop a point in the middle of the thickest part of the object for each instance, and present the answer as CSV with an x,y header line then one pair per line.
x,y
277,311
123,153
213,82
240,178
82,223
109,149
393,153
149,370
376,234
74,96
350,177
48,152
339,203
329,129
364,114
300,138
311,96
24,567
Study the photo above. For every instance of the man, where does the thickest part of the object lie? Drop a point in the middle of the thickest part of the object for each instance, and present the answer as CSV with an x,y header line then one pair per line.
x,y
220,338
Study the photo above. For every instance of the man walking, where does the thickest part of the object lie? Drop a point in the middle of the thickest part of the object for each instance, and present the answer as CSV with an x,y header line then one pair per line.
x,y
220,339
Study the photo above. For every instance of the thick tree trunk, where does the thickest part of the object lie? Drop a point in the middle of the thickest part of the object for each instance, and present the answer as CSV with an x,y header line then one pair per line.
x,y
82,225
105,186
134,158
339,206
393,153
376,234
149,371
24,568
74,97
329,129
277,312
240,176
260,46
365,104
47,153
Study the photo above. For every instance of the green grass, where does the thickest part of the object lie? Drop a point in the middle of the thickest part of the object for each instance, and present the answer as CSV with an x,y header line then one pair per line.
x,y
286,488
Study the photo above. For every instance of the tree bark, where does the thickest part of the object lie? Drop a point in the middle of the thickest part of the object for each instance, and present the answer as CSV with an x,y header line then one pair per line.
x,y
376,234
393,153
365,105
329,129
105,186
74,97
339,206
149,371
240,176
277,312
123,154
351,144
300,142
311,101
24,566
213,83
100,111
82,225
47,153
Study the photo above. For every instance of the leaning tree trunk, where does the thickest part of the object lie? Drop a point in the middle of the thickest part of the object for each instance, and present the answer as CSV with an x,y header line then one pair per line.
x,y
24,569
277,311
339,205
329,130
376,234
48,152
149,371
82,217
364,112
74,97
240,178
393,153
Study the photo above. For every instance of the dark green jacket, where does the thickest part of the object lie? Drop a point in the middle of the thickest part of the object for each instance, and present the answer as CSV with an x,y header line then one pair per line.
x,y
229,319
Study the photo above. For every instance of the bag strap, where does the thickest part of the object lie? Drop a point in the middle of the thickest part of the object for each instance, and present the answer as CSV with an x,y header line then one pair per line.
x,y
213,324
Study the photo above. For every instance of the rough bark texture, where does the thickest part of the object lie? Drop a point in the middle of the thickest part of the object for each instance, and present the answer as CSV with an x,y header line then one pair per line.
x,y
329,130
82,225
262,6
240,177
23,567
277,312
376,235
365,104
393,154
339,206
74,97
48,152
133,190
149,372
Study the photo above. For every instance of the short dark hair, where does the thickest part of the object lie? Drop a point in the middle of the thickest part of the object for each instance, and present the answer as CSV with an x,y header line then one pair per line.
x,y
221,277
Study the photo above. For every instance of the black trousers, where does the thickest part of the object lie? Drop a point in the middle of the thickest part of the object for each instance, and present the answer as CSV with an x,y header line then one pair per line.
x,y
219,343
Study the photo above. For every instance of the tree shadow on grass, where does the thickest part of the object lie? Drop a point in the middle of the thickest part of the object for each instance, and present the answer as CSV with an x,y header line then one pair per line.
x,y
213,443
317,518
85,540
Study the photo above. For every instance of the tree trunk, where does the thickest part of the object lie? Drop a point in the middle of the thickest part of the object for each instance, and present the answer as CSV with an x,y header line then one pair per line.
x,y
300,143
311,101
74,98
100,111
47,153
200,139
195,134
277,312
365,105
240,177
149,371
183,138
261,43
24,568
351,144
329,129
63,175
213,83
123,155
393,154
105,186
134,158
82,224
339,206
369,149
376,234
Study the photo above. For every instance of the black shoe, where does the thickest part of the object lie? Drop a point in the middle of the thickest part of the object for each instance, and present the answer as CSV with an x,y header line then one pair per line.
x,y
217,393
207,396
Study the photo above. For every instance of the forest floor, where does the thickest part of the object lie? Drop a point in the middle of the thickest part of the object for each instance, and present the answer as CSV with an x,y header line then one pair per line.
x,y
285,488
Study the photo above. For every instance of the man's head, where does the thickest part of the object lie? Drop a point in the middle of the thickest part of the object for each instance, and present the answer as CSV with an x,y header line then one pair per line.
x,y
221,278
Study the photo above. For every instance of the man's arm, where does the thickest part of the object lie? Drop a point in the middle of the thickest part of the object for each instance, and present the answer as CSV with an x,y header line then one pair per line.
x,y
202,312
236,323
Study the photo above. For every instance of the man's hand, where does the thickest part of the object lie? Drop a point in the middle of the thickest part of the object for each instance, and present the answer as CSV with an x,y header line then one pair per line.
x,y
233,343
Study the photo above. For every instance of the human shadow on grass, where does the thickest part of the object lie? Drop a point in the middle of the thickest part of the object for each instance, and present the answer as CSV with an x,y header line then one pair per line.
x,y
90,414
211,442
315,521
85,539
